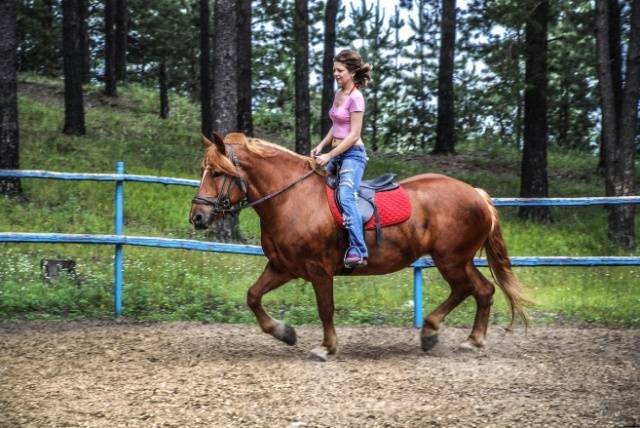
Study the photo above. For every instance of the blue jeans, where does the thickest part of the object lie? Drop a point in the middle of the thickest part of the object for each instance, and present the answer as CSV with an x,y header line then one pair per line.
x,y
350,165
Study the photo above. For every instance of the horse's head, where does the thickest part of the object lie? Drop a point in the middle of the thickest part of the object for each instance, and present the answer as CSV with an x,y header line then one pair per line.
x,y
221,185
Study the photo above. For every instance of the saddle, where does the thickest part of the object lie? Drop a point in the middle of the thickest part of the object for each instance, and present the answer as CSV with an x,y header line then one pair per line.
x,y
369,209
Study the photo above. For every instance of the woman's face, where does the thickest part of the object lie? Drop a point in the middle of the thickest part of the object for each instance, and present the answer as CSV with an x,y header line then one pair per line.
x,y
341,74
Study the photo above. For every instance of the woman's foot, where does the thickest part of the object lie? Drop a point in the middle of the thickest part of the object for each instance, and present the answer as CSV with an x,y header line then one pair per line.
x,y
354,259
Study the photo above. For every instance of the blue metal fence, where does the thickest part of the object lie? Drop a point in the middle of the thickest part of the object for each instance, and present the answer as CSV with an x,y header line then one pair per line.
x,y
119,239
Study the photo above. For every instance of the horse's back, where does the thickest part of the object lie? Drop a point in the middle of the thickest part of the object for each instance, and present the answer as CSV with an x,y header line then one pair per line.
x,y
443,190
452,210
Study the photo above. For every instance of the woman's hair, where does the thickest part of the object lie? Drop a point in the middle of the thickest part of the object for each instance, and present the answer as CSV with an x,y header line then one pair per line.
x,y
353,61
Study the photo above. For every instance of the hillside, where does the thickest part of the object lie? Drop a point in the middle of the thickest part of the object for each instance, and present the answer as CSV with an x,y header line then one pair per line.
x,y
177,284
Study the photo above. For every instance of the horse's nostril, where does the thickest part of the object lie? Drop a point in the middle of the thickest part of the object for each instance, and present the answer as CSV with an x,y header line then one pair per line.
x,y
198,219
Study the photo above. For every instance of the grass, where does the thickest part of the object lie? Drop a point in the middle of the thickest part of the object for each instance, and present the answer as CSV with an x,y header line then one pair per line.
x,y
173,284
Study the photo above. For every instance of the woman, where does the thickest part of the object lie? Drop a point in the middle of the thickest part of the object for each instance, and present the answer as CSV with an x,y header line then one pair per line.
x,y
347,156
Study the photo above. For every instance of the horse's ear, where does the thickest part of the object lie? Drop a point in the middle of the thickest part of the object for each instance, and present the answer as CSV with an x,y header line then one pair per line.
x,y
217,140
206,142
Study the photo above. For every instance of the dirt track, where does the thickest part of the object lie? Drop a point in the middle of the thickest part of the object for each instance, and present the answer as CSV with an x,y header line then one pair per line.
x,y
107,374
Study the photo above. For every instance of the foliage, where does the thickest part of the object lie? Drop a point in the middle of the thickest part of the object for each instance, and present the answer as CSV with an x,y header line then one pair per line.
x,y
174,284
494,36
401,43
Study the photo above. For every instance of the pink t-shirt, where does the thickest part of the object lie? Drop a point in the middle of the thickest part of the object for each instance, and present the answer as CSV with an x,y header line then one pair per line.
x,y
341,116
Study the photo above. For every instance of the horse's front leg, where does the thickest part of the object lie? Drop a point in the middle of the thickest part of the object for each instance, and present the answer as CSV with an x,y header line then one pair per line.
x,y
270,279
323,288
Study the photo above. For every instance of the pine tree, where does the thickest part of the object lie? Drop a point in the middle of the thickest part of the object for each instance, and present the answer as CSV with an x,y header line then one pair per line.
x,y
9,136
534,181
121,38
206,115
245,116
421,82
225,94
445,129
620,132
301,30
373,42
331,12
73,97
110,87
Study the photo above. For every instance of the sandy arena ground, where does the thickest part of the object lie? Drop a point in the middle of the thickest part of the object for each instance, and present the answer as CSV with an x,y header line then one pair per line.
x,y
110,374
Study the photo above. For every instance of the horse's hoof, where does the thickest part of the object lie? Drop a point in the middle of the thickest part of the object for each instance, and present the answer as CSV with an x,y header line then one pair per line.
x,y
469,347
428,342
289,337
319,354
285,333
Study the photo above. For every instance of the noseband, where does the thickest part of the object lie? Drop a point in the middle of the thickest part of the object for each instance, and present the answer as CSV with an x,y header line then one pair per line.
x,y
221,204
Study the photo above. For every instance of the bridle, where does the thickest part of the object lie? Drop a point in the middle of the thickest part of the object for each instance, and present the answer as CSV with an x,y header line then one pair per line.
x,y
221,204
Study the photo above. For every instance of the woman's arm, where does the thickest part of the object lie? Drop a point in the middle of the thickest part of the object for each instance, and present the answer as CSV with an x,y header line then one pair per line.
x,y
326,140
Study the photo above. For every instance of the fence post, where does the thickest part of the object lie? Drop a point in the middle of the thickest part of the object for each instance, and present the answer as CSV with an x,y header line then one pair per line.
x,y
119,230
417,297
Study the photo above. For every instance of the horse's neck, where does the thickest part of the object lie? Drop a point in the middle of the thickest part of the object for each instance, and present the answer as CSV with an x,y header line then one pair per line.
x,y
271,174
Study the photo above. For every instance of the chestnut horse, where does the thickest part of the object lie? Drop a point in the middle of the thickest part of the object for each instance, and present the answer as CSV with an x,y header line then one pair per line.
x,y
450,221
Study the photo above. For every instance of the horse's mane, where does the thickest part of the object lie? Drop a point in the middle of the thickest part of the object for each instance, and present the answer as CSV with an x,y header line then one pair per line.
x,y
262,148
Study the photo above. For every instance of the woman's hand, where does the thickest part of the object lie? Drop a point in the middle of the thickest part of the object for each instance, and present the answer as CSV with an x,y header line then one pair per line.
x,y
324,159
317,151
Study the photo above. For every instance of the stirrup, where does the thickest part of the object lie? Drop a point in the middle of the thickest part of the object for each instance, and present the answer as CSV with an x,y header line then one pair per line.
x,y
351,260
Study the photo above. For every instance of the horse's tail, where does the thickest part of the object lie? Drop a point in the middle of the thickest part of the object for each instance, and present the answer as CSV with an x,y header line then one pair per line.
x,y
500,266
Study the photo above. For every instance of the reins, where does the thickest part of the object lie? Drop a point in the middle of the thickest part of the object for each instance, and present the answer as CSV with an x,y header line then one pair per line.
x,y
222,203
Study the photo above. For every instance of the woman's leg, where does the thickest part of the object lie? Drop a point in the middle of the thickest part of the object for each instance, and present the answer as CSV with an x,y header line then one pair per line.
x,y
351,172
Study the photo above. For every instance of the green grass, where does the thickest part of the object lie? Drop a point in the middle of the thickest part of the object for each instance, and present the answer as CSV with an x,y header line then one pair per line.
x,y
174,284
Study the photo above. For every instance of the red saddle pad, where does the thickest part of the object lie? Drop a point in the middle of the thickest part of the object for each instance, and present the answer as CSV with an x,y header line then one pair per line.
x,y
393,206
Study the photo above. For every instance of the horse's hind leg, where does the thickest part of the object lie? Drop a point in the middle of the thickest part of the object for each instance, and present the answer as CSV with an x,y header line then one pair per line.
x,y
483,294
462,286
270,279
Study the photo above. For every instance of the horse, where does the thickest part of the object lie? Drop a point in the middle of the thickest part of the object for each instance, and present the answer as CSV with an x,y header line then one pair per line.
x,y
450,221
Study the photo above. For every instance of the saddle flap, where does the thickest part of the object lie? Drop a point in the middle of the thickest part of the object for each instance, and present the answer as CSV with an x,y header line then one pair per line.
x,y
365,202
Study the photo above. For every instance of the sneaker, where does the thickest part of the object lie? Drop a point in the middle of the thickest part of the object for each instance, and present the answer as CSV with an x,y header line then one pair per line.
x,y
353,259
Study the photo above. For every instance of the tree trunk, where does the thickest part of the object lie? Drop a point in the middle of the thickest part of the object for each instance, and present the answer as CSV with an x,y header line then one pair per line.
x,y
445,130
534,181
51,59
564,111
206,117
619,127
330,13
110,87
622,227
615,61
225,95
301,30
225,70
245,122
72,52
83,17
164,94
9,137
121,33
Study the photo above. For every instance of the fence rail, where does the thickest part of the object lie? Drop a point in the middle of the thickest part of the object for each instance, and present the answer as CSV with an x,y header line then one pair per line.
x,y
119,239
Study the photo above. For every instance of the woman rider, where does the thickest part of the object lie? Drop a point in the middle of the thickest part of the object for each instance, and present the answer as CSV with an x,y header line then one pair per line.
x,y
347,155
